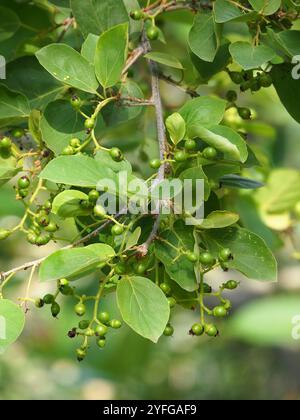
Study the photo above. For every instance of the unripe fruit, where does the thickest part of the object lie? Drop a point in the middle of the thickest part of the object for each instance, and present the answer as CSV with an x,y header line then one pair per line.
x,y
172,302
206,288
165,288
140,268
4,234
231,96
117,230
48,299
153,33
219,311
55,309
209,153
244,113
80,309
18,133
103,317
192,257
120,269
227,304
211,330
43,239
197,329
39,303
231,285
190,145
180,156
47,205
245,86
115,323
99,211
81,354
66,290
83,325
5,143
101,330
225,254
23,182
90,332
116,154
89,123
155,163
76,102
169,331
51,228
101,343
136,15
31,238
236,77
255,85
43,221
23,193
206,259
63,282
93,196
68,151
75,143
265,80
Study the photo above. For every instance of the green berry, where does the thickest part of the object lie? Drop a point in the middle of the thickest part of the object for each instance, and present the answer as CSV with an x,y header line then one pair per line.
x,y
48,299
43,221
165,288
90,332
39,303
116,154
192,257
206,288
17,133
75,143
245,86
120,269
117,230
220,311
63,282
101,343
231,96
210,153
5,143
244,113
93,196
68,151
115,324
153,33
227,304
76,102
89,123
81,354
80,309
55,309
136,15
43,239
236,77
4,234
140,268
265,80
225,254
255,85
83,325
104,317
172,302
197,329
101,330
169,331
51,228
23,182
155,163
190,145
206,259
211,330
23,193
99,211
231,285
31,238
180,156
66,290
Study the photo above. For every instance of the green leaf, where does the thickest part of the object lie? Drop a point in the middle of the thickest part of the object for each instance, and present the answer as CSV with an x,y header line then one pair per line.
x,y
281,193
133,238
205,111
7,169
59,124
97,16
290,42
269,321
207,70
68,66
249,56
104,159
181,270
194,174
34,121
111,55
225,11
204,37
287,88
79,171
67,204
88,49
12,321
9,23
143,306
236,181
223,139
75,263
219,219
13,104
176,127
251,255
265,7
165,59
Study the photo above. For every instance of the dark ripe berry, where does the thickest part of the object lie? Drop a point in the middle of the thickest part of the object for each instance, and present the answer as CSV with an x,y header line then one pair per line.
x,y
172,302
5,143
120,269
211,330
76,102
136,15
153,33
220,311
190,145
165,288
210,153
236,77
231,96
117,230
155,163
18,133
93,196
51,228
140,268
101,343
101,330
75,143
231,285
83,325
99,211
39,303
206,288
68,151
180,156
43,239
192,257
225,254
55,309
23,193
81,354
48,299
89,123
4,234
89,332
245,113
116,154
206,258
115,323
72,333
80,309
43,221
197,329
104,317
23,182
169,331
265,80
